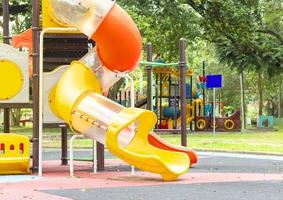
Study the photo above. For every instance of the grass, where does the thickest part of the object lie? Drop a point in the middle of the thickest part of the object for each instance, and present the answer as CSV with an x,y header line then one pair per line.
x,y
256,141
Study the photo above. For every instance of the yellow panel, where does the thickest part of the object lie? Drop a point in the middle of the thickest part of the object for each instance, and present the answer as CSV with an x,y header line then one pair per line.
x,y
11,79
14,154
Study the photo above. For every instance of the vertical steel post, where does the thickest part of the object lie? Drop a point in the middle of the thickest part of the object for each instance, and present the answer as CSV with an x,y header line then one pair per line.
x,y
176,105
64,145
149,77
120,97
141,84
214,105
100,156
35,77
6,40
182,68
169,90
160,99
156,97
279,99
125,99
6,22
203,90
244,126
191,101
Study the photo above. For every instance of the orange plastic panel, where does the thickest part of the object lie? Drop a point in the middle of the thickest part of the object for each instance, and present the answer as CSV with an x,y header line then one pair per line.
x,y
118,41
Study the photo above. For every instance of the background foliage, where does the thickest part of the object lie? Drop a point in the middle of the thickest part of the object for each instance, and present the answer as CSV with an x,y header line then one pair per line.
x,y
232,36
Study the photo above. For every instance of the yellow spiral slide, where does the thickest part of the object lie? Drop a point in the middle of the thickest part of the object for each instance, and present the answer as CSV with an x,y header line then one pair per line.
x,y
77,97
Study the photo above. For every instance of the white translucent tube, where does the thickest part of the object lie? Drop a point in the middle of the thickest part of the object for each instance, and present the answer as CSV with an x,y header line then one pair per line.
x,y
86,15
96,113
106,77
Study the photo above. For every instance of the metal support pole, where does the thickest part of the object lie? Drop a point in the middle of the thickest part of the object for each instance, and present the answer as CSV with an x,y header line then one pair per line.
x,y
6,22
6,120
203,90
156,97
160,99
120,97
132,99
244,126
182,68
100,156
72,153
125,98
64,145
279,99
214,105
94,157
141,85
6,40
35,82
176,105
149,77
191,102
38,91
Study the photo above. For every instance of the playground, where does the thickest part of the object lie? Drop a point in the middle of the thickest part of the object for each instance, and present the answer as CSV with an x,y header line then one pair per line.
x,y
93,107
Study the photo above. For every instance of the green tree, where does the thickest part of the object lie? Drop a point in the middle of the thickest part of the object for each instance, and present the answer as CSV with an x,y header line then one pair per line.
x,y
244,35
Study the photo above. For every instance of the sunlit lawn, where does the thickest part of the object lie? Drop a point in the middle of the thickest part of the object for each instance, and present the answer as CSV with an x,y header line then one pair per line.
x,y
249,141
262,142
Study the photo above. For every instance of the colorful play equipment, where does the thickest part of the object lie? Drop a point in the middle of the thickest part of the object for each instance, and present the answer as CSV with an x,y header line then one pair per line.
x,y
167,98
265,121
224,124
75,94
77,97
215,108
14,154
165,101
219,108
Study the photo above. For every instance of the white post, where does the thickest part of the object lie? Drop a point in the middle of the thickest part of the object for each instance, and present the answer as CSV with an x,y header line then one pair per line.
x,y
127,82
72,140
214,122
141,83
94,156
41,90
128,77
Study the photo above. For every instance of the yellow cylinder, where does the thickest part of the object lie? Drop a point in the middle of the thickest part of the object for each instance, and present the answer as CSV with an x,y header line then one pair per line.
x,y
74,85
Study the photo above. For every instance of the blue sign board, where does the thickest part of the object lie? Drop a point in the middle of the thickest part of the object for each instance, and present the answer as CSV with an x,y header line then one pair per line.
x,y
214,81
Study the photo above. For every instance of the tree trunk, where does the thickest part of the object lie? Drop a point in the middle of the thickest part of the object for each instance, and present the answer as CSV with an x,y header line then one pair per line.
x,y
260,92
279,99
16,116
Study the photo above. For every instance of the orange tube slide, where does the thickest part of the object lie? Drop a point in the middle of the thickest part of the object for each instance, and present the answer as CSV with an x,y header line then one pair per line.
x,y
118,41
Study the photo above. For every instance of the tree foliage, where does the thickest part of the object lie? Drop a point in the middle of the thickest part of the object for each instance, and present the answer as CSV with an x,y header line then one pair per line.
x,y
244,33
